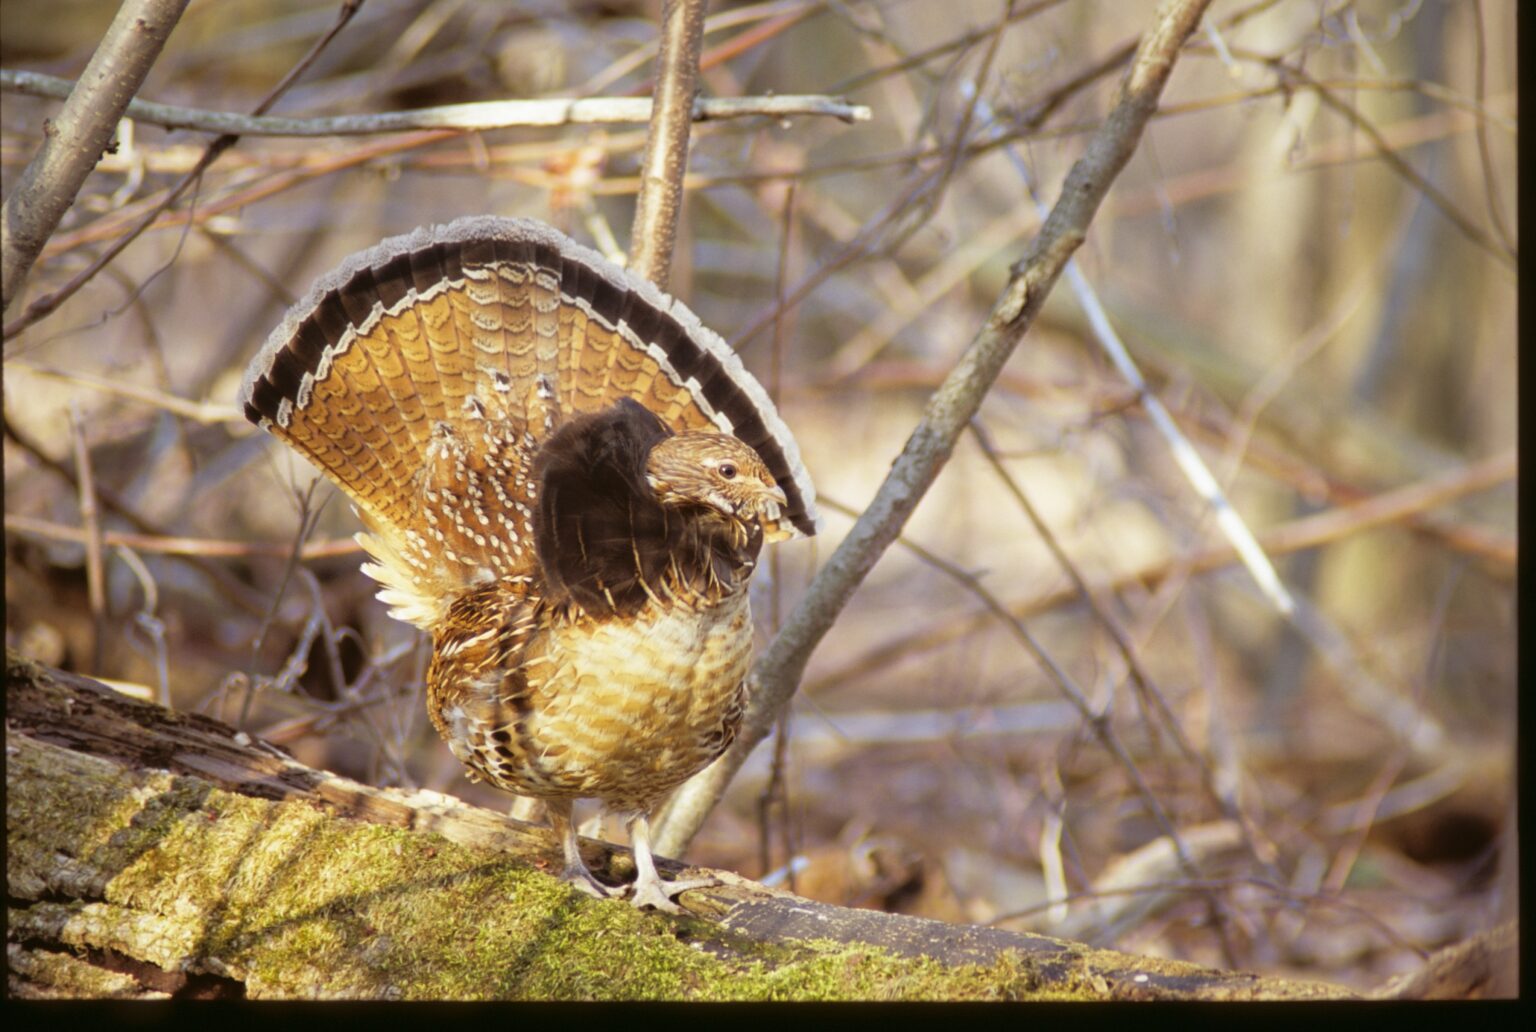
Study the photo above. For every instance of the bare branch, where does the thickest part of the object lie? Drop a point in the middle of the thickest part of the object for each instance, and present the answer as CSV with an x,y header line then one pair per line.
x,y
479,116
73,142
45,305
949,410
666,147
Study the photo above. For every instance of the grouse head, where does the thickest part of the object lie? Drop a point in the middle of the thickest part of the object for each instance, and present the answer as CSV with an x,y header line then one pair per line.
x,y
716,473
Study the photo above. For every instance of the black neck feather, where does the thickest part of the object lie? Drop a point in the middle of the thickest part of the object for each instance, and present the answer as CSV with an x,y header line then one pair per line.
x,y
605,543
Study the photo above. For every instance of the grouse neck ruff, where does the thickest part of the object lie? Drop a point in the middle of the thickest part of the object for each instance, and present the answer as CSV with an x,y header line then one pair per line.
x,y
565,479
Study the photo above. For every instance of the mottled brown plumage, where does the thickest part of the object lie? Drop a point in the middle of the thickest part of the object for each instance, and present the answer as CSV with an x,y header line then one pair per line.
x,y
566,480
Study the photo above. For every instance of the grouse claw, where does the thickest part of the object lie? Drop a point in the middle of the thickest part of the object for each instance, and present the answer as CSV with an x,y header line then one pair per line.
x,y
658,892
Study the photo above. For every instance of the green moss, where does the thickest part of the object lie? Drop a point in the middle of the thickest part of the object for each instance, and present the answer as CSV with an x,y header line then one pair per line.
x,y
399,917
298,903
57,844
40,974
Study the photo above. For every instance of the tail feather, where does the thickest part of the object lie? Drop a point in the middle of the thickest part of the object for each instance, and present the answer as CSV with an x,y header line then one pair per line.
x,y
423,375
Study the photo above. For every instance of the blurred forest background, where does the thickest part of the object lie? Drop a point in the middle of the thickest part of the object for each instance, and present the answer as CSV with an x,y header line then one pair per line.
x,y
1311,257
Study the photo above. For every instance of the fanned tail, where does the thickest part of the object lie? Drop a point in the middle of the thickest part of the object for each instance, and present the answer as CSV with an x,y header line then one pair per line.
x,y
423,374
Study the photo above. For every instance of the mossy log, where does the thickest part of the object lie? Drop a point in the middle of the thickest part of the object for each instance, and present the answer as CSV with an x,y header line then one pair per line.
x,y
154,853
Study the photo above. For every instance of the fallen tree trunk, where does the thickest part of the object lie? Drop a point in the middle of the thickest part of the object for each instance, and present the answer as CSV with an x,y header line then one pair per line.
x,y
155,853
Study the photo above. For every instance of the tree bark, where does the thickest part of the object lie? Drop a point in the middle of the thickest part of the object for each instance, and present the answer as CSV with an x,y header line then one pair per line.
x,y
154,853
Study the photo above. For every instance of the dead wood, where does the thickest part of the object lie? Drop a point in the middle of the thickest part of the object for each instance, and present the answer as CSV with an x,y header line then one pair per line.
x,y
156,853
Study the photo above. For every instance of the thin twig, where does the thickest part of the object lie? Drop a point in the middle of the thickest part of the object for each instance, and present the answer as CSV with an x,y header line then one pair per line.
x,y
1293,75
1025,126
779,16
111,226
150,624
325,715
1153,701
960,263
956,151
859,247
309,515
160,544
1490,184
225,245
660,200
329,640
90,520
1364,688
916,59
198,411
1273,380
777,673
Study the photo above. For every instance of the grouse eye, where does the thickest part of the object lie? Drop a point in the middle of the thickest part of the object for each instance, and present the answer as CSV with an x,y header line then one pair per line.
x,y
728,470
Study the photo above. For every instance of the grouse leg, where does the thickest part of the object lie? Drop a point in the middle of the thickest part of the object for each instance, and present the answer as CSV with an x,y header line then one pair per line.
x,y
575,873
650,889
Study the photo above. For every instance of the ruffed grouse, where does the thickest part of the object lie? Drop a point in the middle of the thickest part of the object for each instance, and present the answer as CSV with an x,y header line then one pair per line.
x,y
566,480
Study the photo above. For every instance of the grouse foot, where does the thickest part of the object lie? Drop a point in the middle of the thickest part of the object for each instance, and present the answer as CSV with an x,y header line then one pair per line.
x,y
650,889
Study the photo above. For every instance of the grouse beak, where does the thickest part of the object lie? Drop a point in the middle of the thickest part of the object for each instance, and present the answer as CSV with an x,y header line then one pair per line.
x,y
775,493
